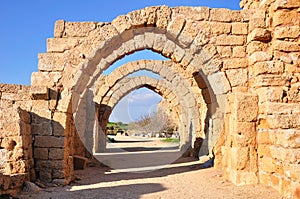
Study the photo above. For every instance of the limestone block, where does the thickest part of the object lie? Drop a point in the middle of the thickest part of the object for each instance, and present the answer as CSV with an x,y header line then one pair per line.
x,y
255,46
220,14
263,138
78,29
287,32
286,4
269,80
45,78
41,153
269,94
256,23
283,17
266,164
235,63
239,158
220,28
288,138
45,174
49,141
229,40
138,17
224,51
259,57
39,92
237,77
61,44
287,46
244,134
268,67
56,154
51,61
219,83
283,121
192,13
163,17
58,174
121,23
59,28
239,28
245,107
259,34
239,51
189,32
176,26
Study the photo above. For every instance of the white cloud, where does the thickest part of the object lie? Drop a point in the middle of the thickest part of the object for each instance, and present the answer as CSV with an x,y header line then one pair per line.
x,y
136,104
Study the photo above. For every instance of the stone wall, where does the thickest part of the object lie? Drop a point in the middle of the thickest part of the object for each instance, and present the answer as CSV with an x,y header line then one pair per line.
x,y
16,163
279,98
242,67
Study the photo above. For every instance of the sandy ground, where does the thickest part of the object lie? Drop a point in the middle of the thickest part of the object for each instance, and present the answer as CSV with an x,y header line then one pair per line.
x,y
184,179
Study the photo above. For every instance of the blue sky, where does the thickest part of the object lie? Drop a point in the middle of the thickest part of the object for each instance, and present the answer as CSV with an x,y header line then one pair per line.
x,y
25,26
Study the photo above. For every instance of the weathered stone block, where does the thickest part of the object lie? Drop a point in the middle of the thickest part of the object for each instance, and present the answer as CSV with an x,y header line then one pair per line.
x,y
163,17
235,63
286,4
219,83
237,77
244,134
257,23
245,107
259,57
78,29
239,158
283,17
176,26
268,80
188,34
259,34
39,92
224,51
229,40
270,94
287,46
56,154
59,28
192,13
51,61
49,141
41,153
286,32
61,44
268,67
266,164
239,28
220,28
220,14
239,51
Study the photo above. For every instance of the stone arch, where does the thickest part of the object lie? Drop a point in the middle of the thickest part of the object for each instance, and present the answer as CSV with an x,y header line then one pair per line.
x,y
161,87
109,52
168,70
99,45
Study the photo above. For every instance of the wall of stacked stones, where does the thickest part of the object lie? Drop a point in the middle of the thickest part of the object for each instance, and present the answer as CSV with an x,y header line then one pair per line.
x,y
277,83
16,162
253,63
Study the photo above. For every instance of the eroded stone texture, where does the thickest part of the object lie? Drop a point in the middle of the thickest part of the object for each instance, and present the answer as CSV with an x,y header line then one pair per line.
x,y
240,67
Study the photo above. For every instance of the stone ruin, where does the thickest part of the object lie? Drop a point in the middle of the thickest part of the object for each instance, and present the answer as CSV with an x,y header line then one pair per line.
x,y
233,76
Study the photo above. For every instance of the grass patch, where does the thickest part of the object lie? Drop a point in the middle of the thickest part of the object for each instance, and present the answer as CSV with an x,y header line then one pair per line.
x,y
173,140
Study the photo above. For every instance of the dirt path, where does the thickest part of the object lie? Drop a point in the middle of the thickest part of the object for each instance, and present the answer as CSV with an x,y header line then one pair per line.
x,y
181,180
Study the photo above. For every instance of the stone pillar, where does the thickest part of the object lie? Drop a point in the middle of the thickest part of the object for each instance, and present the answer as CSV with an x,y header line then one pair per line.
x,y
240,152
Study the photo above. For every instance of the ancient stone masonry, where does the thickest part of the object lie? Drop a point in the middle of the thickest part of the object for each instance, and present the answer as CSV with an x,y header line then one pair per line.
x,y
233,78
16,162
